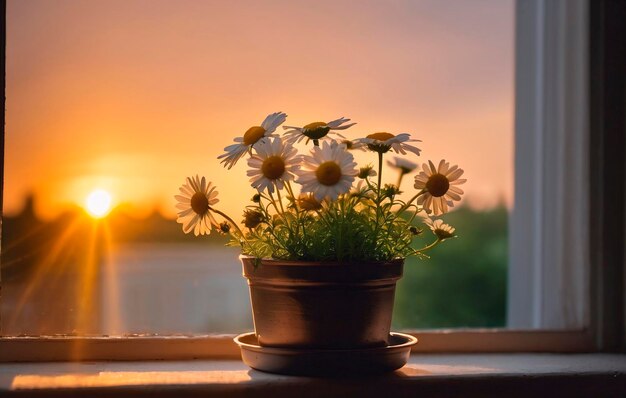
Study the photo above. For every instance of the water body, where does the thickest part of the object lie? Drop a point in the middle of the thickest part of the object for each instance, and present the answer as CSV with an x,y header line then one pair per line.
x,y
174,288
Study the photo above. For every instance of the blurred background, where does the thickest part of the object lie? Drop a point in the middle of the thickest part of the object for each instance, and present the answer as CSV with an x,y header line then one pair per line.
x,y
111,104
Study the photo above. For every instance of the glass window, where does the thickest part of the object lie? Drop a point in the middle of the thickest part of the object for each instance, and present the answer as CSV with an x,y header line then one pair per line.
x,y
111,104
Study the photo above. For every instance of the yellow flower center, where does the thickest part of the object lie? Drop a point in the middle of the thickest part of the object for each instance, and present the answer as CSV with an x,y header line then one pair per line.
x,y
328,173
380,137
437,185
253,134
443,234
199,203
315,130
273,167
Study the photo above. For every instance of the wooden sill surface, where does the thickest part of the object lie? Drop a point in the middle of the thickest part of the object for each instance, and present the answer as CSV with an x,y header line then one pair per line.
x,y
426,375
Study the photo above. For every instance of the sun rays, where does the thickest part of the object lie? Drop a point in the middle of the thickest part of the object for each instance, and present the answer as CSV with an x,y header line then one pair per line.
x,y
75,266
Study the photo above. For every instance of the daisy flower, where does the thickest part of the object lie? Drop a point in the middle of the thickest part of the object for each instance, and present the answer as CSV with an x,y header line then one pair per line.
x,y
244,144
402,164
194,206
439,186
328,172
440,229
382,142
274,163
315,131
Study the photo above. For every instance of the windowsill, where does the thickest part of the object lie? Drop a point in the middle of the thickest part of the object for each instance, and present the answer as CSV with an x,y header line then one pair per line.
x,y
426,375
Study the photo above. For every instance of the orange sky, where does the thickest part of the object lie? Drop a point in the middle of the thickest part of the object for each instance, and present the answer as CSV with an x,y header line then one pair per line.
x,y
132,96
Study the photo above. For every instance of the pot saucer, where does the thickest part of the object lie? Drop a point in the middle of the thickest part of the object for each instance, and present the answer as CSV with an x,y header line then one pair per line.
x,y
326,362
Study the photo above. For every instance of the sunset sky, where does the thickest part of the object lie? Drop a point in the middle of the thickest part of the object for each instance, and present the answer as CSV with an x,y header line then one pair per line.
x,y
131,96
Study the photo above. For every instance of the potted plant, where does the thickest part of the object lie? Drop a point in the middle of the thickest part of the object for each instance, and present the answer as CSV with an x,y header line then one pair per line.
x,y
323,242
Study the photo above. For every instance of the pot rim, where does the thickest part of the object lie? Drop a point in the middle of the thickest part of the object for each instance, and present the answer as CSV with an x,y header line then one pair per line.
x,y
303,263
409,341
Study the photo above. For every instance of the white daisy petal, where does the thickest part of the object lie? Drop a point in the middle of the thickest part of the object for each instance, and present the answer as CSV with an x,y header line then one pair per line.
x,y
451,169
453,195
443,168
271,122
182,206
455,174
191,224
441,203
182,198
186,190
433,170
456,190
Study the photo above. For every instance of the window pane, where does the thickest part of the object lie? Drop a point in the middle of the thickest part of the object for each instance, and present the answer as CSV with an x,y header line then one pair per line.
x,y
111,104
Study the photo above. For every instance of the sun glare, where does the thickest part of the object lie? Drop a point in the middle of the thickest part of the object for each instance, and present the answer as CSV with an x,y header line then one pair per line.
x,y
98,203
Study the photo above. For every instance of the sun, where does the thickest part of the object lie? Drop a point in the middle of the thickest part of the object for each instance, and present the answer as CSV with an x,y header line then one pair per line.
x,y
98,203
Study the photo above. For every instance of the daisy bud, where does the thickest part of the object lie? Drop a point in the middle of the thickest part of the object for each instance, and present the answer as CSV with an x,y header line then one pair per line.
x,y
390,191
367,171
308,202
415,231
277,219
252,218
224,227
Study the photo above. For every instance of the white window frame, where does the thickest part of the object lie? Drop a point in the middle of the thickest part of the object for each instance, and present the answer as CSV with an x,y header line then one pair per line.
x,y
549,259
552,115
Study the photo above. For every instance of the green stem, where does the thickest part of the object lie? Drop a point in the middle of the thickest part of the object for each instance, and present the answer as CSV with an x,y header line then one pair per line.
x,y
321,217
295,205
423,249
290,190
380,171
407,204
413,215
280,201
400,179
273,201
379,199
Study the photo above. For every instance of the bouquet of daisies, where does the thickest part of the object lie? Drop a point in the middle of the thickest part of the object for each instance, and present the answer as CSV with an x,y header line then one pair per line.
x,y
318,205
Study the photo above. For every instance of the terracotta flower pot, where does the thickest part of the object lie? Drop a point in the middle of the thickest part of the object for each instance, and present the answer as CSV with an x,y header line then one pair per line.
x,y
303,304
